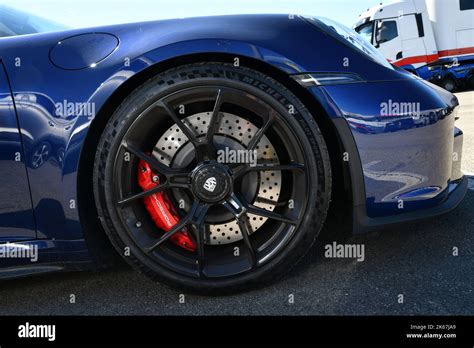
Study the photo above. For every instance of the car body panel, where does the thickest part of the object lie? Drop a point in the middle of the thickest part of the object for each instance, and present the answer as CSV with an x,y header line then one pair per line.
x,y
16,216
400,152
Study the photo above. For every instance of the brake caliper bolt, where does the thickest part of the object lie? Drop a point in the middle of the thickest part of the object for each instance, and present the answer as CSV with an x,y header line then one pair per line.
x,y
155,178
138,224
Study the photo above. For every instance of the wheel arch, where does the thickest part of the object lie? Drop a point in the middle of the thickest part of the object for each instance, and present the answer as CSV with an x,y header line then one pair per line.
x,y
100,248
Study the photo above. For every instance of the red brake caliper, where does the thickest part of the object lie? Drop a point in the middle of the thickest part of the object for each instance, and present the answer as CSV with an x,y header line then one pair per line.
x,y
160,208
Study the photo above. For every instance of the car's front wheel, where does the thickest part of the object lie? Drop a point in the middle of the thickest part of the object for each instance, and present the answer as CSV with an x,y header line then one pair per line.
x,y
212,178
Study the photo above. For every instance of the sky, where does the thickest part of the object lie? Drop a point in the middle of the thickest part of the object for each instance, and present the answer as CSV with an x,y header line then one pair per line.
x,y
89,13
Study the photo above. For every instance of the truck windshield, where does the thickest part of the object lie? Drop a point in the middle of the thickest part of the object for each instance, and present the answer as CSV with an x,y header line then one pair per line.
x,y
14,22
366,31
349,37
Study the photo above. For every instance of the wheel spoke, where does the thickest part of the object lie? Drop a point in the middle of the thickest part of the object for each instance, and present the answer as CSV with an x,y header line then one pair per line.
x,y
149,192
258,136
178,227
195,216
201,236
181,180
245,229
236,208
277,167
238,170
244,169
214,124
264,200
154,164
251,209
201,231
184,128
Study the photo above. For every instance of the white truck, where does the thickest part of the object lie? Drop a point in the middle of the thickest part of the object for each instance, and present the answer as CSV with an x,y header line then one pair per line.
x,y
431,38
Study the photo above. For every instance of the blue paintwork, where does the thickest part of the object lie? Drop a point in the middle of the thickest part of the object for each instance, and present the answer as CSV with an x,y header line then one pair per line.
x,y
49,252
43,74
69,53
16,216
400,154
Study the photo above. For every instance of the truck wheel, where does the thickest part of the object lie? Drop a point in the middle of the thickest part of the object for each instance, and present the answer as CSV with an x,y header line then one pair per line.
x,y
470,81
449,84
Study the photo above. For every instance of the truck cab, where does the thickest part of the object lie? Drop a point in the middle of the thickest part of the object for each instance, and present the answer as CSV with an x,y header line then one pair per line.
x,y
433,39
401,31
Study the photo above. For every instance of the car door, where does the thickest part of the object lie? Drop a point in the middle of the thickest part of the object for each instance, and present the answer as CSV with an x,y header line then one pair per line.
x,y
16,213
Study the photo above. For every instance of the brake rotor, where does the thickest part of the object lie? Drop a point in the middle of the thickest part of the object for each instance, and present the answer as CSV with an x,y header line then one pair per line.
x,y
241,131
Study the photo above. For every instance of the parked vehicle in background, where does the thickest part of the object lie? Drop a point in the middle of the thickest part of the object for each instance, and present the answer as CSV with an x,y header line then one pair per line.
x,y
433,39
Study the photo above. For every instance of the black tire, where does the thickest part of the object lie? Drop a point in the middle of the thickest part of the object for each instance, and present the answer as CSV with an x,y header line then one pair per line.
x,y
449,84
470,81
308,137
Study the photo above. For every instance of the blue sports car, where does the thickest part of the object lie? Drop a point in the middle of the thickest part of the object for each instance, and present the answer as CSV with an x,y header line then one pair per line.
x,y
207,151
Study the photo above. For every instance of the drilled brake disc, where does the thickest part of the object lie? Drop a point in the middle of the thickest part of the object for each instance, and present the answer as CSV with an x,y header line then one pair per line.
x,y
242,131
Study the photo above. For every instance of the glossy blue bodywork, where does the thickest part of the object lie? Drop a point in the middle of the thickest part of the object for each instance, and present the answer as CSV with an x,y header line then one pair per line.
x,y
61,81
16,216
400,154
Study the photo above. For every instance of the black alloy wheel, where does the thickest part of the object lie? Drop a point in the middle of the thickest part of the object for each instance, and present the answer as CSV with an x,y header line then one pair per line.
x,y
238,164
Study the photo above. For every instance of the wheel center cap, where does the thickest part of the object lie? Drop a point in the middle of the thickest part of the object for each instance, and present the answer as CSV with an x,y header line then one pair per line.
x,y
211,182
